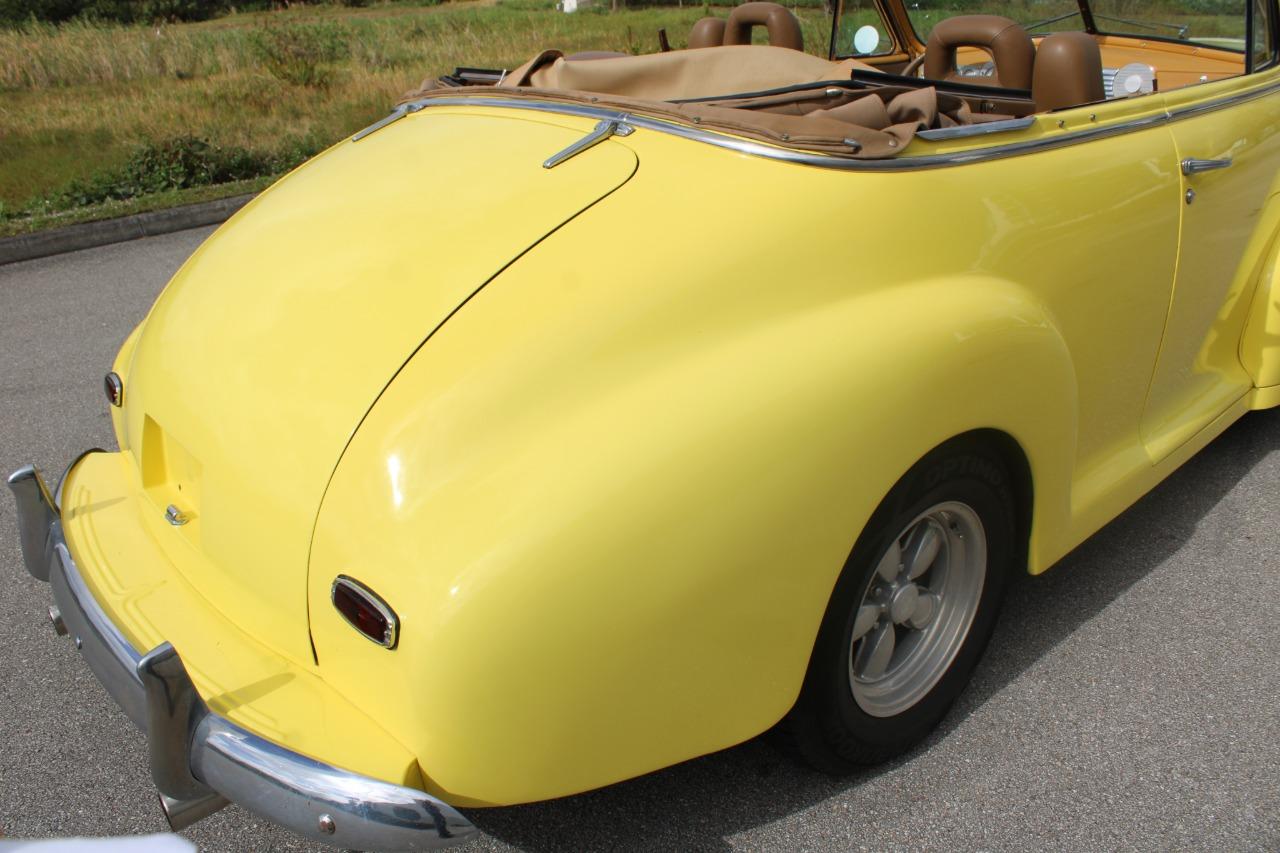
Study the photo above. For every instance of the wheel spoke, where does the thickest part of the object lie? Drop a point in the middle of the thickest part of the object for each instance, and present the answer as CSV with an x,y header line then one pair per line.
x,y
922,549
874,653
891,563
865,620
926,609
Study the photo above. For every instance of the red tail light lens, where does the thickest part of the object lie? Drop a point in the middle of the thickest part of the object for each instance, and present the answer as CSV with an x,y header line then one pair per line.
x,y
365,611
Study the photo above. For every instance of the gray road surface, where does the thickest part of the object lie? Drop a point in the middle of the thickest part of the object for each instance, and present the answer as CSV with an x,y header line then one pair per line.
x,y
1129,700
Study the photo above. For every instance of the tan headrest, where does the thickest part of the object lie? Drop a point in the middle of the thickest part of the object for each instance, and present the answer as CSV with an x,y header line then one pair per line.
x,y
707,32
1068,72
784,29
1009,44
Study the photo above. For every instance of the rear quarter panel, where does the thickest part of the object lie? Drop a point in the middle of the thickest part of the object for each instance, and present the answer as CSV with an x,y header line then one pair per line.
x,y
610,497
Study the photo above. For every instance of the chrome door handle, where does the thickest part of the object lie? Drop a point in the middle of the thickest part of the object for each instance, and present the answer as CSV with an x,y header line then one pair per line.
x,y
1192,166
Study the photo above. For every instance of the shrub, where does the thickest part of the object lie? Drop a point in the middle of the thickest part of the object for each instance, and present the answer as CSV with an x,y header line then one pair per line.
x,y
176,164
19,11
145,11
121,11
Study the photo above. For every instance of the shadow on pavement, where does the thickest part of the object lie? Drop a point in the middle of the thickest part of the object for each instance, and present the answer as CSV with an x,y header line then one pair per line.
x,y
697,804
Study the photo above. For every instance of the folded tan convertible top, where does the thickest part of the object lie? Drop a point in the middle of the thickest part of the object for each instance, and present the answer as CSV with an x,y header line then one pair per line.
x,y
681,74
856,123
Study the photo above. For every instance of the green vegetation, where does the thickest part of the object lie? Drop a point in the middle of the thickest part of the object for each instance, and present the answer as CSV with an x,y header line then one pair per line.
x,y
99,116
94,113
1203,18
13,12
39,221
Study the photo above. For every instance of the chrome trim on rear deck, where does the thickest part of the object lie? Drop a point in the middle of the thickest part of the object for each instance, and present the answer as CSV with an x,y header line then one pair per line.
x,y
901,163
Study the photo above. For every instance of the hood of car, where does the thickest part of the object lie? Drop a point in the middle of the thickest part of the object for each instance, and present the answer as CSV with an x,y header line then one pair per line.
x,y
261,358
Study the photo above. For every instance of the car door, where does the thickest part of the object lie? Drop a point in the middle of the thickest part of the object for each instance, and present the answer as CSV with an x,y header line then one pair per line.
x,y
1228,144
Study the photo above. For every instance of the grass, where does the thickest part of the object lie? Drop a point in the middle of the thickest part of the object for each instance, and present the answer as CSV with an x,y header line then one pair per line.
x,y
83,104
77,101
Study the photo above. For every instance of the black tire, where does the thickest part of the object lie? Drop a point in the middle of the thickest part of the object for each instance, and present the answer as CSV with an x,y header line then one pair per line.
x,y
829,728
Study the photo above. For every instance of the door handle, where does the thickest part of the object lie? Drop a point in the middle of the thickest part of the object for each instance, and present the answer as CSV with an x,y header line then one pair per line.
x,y
1192,166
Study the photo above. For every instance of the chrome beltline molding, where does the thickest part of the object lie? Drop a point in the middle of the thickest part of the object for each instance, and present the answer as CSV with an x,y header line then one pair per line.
x,y
823,161
200,760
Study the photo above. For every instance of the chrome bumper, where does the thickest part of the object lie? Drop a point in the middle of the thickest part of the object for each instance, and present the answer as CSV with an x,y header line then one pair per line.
x,y
199,760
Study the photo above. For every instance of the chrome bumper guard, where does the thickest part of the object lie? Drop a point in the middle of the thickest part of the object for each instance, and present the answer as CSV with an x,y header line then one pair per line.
x,y
199,760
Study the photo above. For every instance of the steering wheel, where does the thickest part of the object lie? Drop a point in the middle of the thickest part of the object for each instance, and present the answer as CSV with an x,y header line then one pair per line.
x,y
913,66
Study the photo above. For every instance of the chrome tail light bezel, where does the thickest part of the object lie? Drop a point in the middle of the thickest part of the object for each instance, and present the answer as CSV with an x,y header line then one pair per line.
x,y
347,585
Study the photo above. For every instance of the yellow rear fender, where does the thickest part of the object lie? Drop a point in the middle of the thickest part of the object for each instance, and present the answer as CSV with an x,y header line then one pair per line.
x,y
615,538
122,366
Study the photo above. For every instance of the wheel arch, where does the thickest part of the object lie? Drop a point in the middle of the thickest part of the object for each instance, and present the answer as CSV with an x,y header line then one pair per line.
x,y
1018,467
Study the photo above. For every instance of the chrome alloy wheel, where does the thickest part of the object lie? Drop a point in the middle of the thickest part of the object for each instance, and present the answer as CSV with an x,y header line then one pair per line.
x,y
917,609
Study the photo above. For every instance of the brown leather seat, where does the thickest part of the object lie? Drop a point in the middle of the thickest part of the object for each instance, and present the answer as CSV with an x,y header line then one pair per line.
x,y
707,32
1068,72
1010,47
782,26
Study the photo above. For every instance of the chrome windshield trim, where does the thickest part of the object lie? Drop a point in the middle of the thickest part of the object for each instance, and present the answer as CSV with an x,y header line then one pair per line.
x,y
903,163
200,760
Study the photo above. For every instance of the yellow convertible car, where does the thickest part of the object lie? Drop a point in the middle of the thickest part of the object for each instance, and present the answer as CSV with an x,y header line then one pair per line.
x,y
584,417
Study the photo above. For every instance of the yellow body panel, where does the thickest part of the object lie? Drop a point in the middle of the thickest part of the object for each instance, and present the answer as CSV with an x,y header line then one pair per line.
x,y
1227,234
605,457
1260,345
131,577
268,347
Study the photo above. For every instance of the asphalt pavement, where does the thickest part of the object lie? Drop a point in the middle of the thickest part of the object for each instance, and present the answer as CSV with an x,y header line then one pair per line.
x,y
1130,699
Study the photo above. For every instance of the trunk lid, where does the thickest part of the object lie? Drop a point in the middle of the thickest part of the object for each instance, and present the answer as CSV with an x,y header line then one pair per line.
x,y
266,350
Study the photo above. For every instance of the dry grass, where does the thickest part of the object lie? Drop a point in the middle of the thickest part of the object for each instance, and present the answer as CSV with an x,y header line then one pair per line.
x,y
76,99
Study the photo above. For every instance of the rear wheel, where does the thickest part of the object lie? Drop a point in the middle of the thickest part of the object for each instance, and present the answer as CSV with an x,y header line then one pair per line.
x,y
911,613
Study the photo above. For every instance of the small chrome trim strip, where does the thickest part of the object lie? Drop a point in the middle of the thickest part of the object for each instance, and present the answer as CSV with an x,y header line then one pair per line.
x,y
898,164
200,760
963,131
602,131
396,114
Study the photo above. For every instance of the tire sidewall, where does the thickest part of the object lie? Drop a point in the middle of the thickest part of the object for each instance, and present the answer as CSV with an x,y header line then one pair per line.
x,y
971,476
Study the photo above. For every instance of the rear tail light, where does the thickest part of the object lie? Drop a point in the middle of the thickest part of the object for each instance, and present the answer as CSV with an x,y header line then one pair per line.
x,y
115,389
365,611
